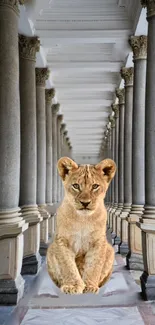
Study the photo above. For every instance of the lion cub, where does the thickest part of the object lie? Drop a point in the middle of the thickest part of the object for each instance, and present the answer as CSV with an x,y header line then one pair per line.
x,y
80,259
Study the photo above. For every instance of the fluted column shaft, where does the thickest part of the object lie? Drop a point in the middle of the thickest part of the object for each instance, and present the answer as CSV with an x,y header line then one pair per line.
x,y
28,46
115,109
127,75
59,120
55,109
139,47
42,75
49,94
112,209
147,223
120,93
12,225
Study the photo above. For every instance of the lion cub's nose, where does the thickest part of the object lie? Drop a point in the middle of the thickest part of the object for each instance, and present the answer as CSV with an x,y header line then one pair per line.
x,y
85,204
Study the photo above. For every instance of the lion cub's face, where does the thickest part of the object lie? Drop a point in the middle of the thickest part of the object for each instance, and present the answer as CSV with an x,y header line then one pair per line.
x,y
86,185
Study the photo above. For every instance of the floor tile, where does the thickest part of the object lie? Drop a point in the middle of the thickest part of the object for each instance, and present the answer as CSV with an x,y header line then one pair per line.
x,y
88,316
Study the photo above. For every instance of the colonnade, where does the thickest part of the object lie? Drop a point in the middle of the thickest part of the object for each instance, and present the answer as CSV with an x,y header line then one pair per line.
x,y
131,198
32,138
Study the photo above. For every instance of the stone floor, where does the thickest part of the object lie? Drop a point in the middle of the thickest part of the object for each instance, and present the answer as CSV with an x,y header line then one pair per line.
x,y
119,302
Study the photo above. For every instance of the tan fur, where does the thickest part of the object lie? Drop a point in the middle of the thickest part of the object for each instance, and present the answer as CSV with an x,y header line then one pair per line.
x,y
80,259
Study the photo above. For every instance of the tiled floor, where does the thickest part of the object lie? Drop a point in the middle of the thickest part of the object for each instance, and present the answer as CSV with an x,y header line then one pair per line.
x,y
117,303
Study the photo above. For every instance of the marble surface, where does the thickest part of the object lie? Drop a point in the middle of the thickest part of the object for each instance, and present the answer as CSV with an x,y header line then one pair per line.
x,y
102,316
117,282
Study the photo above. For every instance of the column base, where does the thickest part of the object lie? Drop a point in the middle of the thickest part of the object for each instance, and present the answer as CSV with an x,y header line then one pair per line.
x,y
43,248
11,291
117,240
134,261
123,248
31,264
148,286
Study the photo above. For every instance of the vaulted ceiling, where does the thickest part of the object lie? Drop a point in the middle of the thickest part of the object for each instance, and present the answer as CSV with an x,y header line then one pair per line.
x,y
85,43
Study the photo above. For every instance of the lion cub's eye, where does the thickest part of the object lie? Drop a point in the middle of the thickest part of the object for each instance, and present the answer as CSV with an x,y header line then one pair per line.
x,y
95,186
76,186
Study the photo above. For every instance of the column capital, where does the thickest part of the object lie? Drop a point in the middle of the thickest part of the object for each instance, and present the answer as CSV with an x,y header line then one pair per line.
x,y
67,139
55,108
49,94
139,46
13,4
28,46
42,74
127,75
63,126
150,4
115,108
65,133
60,118
111,120
120,94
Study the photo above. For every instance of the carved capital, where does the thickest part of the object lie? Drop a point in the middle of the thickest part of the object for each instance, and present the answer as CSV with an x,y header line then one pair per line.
x,y
42,74
111,120
127,75
150,4
120,94
49,94
12,4
60,118
28,46
115,109
63,126
55,108
65,133
139,46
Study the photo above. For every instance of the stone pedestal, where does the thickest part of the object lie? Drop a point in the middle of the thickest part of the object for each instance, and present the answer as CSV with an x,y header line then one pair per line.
x,y
55,109
147,222
59,120
134,259
139,47
28,46
42,75
127,75
12,226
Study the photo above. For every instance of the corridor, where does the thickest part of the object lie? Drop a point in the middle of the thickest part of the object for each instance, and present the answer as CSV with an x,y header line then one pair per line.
x,y
77,80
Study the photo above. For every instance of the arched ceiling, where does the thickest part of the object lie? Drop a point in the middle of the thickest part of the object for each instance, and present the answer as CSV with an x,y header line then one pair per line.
x,y
85,43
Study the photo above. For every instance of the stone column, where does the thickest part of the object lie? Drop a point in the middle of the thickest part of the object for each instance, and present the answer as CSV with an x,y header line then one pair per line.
x,y
120,93
55,109
59,120
107,155
63,126
115,109
65,143
147,223
112,209
49,95
28,46
42,75
127,75
134,257
12,224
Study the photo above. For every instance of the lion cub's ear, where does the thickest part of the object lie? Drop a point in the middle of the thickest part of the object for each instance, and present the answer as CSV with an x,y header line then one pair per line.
x,y
108,167
65,165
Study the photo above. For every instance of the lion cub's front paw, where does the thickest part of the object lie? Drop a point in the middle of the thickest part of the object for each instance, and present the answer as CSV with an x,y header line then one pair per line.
x,y
91,289
72,289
